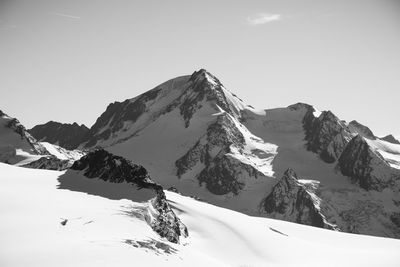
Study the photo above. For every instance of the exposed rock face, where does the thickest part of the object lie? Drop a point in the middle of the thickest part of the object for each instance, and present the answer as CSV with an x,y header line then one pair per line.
x,y
15,125
108,167
366,167
390,138
292,201
49,163
204,86
220,172
66,135
326,135
362,130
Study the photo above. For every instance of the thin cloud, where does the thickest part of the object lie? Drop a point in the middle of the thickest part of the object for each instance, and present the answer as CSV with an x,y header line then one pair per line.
x,y
263,18
65,15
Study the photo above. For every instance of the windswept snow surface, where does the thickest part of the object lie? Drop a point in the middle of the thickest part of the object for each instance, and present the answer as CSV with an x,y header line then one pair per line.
x,y
105,232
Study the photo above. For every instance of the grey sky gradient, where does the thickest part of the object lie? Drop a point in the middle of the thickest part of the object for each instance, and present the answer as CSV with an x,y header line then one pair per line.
x,y
67,60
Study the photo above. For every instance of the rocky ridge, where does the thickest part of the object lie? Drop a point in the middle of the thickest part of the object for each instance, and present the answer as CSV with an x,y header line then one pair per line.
x,y
66,135
105,166
366,167
293,201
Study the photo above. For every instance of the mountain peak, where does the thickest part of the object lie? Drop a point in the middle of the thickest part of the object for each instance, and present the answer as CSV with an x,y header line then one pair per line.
x,y
391,139
65,135
299,106
361,129
326,135
199,73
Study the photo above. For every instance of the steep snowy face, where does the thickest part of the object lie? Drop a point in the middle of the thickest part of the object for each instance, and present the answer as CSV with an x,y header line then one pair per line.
x,y
363,162
360,129
66,135
16,144
107,167
326,135
294,201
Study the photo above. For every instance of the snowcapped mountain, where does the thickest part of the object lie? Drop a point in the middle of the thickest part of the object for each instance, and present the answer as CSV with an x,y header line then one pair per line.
x,y
66,135
193,134
80,226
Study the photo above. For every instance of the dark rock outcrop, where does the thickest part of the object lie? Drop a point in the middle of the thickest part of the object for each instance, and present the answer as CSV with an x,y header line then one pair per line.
x,y
291,201
221,173
326,135
108,167
202,89
66,135
360,129
366,167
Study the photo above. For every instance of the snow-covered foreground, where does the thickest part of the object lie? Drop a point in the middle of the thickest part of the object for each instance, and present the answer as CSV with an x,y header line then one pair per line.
x,y
104,232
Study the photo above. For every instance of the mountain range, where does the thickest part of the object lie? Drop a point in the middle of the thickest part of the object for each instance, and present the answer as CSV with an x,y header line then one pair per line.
x,y
198,138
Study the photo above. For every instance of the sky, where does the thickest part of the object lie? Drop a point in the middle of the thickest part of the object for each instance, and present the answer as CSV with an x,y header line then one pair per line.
x,y
67,60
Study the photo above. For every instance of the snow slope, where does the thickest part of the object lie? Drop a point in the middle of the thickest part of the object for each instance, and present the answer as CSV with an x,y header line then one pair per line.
x,y
108,232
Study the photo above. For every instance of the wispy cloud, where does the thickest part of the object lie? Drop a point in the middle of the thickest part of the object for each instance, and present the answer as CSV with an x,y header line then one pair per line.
x,y
263,18
65,15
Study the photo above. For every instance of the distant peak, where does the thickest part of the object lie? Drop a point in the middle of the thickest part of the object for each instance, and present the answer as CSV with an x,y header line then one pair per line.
x,y
391,139
361,129
328,115
356,123
202,74
300,105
